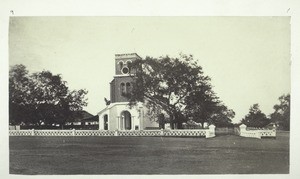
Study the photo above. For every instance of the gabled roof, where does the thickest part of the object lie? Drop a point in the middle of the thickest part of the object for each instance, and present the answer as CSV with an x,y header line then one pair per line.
x,y
79,116
110,106
102,111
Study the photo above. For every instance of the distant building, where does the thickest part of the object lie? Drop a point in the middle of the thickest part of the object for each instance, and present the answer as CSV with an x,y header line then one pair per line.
x,y
118,115
77,120
83,120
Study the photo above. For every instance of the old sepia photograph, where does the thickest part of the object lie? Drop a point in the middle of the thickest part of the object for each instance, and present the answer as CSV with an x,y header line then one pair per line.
x,y
149,95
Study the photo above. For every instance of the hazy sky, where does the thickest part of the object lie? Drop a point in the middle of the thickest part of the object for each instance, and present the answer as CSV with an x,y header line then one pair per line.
x,y
248,58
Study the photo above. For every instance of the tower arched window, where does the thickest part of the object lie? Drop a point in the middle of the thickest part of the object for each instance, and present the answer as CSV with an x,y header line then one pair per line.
x,y
121,64
122,88
128,63
128,87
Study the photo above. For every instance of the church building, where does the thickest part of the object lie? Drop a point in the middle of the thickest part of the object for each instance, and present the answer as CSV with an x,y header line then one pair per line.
x,y
118,115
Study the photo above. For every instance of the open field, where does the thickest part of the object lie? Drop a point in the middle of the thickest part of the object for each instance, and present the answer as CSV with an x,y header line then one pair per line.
x,y
225,154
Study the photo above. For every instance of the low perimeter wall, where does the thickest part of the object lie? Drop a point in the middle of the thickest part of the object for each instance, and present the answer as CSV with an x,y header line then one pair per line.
x,y
199,132
257,133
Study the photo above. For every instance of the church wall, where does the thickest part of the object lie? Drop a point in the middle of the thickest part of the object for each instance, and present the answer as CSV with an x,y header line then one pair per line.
x,y
101,119
148,122
112,91
101,122
139,117
113,118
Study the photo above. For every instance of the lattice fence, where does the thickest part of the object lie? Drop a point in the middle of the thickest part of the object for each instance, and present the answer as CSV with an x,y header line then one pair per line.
x,y
94,133
268,133
257,133
53,132
201,132
186,133
141,133
20,132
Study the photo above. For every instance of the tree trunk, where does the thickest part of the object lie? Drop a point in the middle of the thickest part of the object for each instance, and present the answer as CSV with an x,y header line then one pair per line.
x,y
171,120
179,125
202,125
172,124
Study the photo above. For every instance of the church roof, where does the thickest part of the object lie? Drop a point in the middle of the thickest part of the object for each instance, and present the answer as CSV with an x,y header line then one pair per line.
x,y
110,106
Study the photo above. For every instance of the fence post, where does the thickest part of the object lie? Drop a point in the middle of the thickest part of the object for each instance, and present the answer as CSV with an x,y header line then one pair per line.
x,y
73,132
242,129
258,134
161,132
32,132
116,133
211,131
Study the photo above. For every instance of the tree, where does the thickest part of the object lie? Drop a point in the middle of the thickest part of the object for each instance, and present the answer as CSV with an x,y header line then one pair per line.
x,y
166,83
281,115
204,106
223,116
42,97
19,84
201,105
161,120
255,118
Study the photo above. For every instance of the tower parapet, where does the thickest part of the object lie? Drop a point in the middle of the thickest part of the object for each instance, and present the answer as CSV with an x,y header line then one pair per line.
x,y
122,62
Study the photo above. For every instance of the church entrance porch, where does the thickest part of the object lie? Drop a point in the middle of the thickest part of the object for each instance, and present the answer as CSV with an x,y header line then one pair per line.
x,y
126,122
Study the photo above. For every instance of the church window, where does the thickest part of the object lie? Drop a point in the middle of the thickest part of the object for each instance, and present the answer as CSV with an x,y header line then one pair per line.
x,y
121,64
128,65
123,88
105,121
128,88
128,62
125,70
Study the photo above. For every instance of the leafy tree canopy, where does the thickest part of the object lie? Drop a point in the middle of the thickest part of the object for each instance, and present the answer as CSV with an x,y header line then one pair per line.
x,y
281,114
223,116
176,86
41,97
203,106
255,117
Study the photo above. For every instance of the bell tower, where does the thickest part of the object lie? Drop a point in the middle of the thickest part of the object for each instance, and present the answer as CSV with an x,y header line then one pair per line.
x,y
122,82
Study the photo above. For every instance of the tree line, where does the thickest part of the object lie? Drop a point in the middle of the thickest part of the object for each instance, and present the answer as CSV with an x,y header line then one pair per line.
x,y
41,98
280,117
179,88
172,87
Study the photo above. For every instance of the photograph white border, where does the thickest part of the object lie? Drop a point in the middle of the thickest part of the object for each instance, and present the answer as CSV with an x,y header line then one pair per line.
x,y
291,8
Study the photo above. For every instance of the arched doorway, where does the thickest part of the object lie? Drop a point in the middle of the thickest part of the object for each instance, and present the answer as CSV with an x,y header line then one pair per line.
x,y
105,122
126,120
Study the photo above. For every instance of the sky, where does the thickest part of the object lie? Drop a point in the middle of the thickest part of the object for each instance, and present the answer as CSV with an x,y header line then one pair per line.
x,y
248,58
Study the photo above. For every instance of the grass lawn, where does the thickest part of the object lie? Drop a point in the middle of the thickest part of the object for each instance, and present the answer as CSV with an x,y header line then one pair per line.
x,y
226,154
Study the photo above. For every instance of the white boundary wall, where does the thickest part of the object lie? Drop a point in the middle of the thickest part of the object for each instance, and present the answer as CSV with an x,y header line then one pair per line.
x,y
259,133
208,133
